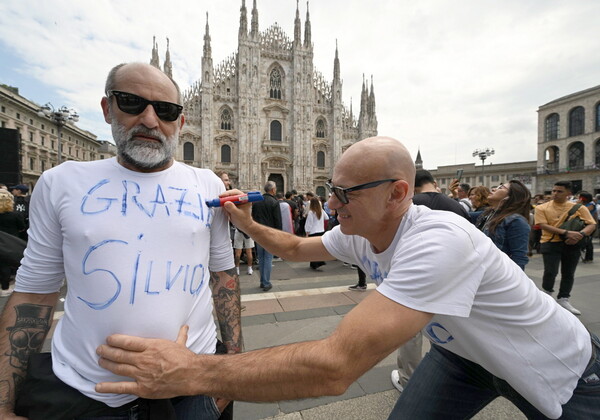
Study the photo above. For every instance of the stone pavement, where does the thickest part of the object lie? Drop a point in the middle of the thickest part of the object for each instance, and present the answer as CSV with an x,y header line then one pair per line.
x,y
306,305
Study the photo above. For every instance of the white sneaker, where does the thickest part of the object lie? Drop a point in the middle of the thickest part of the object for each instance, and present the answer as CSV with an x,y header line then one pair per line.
x,y
237,270
564,302
250,271
6,293
396,380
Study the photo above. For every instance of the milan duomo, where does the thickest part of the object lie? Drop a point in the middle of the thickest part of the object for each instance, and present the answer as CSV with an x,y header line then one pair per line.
x,y
266,113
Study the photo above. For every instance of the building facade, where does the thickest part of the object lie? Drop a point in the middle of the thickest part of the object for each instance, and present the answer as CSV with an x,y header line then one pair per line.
x,y
38,137
490,175
266,113
569,141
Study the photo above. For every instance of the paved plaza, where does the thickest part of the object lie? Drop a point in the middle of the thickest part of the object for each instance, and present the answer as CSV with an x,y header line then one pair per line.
x,y
306,305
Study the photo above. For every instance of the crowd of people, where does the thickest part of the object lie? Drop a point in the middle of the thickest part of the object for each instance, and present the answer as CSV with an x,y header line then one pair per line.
x,y
147,270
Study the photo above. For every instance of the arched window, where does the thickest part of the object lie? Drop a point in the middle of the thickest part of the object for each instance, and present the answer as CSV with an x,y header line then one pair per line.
x,y
225,154
275,84
320,160
551,159
226,120
576,121
321,131
576,155
597,154
188,151
598,116
275,131
552,121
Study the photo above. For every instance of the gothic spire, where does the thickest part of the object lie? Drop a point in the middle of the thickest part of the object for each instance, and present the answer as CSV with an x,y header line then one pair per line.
x,y
207,48
418,160
307,41
336,64
168,66
243,20
254,23
154,61
297,26
372,99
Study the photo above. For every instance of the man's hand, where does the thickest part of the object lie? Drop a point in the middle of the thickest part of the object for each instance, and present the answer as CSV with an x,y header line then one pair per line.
x,y
159,367
453,187
240,215
572,237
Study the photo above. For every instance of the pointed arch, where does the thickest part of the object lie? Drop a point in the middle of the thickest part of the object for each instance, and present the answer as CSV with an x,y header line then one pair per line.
x,y
226,118
225,153
276,81
321,128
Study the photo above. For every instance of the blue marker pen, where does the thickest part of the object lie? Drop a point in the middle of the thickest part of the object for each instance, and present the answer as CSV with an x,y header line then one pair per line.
x,y
236,199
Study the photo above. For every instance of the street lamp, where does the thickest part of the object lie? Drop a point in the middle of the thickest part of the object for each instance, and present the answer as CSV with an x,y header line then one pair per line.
x,y
483,155
60,117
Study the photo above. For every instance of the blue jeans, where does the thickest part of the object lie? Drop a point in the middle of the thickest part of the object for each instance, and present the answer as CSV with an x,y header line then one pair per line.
x,y
447,386
265,265
199,407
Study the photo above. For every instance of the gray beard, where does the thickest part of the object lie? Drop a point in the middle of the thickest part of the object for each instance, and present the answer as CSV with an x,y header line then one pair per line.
x,y
140,153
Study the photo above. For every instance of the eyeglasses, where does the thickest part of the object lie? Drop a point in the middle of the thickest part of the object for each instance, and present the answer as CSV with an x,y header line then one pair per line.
x,y
501,187
135,105
340,193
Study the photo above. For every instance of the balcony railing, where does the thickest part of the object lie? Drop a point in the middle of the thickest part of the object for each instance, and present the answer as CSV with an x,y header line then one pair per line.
x,y
554,169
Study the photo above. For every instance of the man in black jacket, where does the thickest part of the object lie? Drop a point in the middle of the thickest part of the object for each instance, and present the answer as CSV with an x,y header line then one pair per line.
x,y
266,213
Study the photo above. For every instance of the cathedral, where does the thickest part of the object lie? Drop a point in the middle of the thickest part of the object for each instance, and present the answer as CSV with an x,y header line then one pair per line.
x,y
265,113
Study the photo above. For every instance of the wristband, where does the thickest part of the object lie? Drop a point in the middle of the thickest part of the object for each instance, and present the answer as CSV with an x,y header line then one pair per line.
x,y
582,233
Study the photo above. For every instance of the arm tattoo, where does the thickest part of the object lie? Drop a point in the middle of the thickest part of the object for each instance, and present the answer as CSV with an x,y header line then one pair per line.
x,y
226,297
25,337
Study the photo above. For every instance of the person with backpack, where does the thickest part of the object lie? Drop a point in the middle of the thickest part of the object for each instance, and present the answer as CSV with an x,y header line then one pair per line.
x,y
561,240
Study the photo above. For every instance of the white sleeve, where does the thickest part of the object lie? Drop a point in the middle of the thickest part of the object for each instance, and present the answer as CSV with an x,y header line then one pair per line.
x,y
42,269
221,252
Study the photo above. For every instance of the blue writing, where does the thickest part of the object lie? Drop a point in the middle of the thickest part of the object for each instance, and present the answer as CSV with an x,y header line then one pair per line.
x,y
440,335
171,280
148,277
91,191
105,304
160,199
136,265
193,292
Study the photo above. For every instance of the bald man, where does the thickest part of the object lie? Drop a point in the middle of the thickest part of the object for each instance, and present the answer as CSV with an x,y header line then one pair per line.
x,y
139,247
492,331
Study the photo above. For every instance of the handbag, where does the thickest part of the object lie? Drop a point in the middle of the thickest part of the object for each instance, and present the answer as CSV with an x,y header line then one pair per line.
x,y
573,223
11,249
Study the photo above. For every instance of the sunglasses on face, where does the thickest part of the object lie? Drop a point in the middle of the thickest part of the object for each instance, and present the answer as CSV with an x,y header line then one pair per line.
x,y
135,105
340,193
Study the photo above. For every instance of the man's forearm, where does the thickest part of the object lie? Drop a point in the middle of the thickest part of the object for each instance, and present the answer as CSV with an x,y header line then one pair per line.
x,y
227,301
268,373
24,324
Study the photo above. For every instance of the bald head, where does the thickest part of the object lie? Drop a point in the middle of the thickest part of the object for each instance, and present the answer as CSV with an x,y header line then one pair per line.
x,y
140,69
377,158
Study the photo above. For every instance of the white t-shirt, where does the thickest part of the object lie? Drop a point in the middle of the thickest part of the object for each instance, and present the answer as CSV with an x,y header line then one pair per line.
x,y
136,250
486,309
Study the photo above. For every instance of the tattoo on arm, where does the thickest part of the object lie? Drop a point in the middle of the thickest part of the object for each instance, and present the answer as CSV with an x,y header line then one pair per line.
x,y
227,300
26,336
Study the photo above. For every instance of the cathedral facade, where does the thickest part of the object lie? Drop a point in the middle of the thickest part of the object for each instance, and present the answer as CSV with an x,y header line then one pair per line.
x,y
266,113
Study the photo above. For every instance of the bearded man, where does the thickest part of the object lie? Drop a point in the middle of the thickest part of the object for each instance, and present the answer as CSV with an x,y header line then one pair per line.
x,y
138,246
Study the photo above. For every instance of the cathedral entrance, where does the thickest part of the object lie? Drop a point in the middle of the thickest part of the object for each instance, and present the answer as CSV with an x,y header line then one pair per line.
x,y
278,180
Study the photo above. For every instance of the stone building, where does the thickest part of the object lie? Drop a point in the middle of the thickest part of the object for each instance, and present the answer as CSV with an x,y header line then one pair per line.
x,y
569,141
490,176
38,138
265,113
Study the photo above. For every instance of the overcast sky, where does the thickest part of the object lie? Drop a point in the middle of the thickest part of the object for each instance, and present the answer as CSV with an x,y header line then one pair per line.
x,y
450,75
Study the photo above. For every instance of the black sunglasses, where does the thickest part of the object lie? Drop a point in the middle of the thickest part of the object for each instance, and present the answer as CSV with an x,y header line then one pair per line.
x,y
135,105
340,193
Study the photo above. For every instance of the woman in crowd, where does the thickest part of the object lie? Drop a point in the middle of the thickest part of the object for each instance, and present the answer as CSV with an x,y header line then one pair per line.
x,y
12,223
506,221
315,225
479,200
